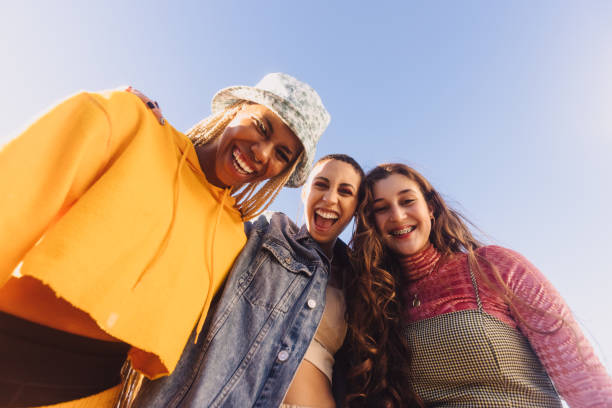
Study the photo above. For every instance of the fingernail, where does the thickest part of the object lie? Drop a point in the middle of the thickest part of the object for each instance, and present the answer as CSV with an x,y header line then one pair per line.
x,y
150,105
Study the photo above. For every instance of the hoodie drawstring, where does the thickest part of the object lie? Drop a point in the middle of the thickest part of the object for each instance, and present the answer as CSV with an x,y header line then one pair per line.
x,y
211,266
164,242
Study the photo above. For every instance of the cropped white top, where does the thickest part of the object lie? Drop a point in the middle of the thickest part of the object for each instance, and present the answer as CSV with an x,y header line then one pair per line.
x,y
330,333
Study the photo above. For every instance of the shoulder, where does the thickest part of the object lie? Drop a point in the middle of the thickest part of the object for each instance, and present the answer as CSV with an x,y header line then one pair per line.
x,y
341,253
259,224
498,255
514,268
271,221
111,98
110,105
117,95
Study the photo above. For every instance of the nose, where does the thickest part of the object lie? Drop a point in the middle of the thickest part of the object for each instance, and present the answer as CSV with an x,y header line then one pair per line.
x,y
330,196
262,151
396,213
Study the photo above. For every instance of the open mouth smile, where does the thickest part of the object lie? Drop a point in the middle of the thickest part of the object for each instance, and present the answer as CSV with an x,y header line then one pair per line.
x,y
325,218
400,233
240,163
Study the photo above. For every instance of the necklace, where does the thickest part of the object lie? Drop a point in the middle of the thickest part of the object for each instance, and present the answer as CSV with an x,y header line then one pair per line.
x,y
416,302
417,267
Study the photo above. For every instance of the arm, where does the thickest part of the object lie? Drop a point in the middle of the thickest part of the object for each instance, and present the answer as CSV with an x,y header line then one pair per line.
x,y
53,162
565,353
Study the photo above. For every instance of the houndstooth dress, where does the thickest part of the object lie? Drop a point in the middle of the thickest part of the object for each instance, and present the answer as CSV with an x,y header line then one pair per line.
x,y
469,358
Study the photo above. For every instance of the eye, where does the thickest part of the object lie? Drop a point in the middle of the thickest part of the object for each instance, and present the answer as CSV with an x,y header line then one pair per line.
x,y
346,191
407,201
320,184
283,156
379,210
260,125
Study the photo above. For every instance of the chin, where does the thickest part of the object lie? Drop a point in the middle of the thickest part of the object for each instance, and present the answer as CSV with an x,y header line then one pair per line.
x,y
404,251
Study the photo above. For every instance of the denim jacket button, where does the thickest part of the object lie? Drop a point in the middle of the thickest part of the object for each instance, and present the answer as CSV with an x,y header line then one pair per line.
x,y
283,355
311,303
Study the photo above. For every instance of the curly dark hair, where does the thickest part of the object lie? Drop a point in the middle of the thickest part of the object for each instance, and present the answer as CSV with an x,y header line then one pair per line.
x,y
379,356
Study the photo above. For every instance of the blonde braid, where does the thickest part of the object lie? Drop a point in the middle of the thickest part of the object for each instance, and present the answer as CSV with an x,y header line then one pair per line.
x,y
249,203
210,128
246,193
255,204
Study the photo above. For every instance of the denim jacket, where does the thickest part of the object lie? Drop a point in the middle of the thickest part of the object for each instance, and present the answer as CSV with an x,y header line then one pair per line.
x,y
261,326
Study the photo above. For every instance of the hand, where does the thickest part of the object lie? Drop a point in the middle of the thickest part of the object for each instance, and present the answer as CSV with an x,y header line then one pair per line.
x,y
153,105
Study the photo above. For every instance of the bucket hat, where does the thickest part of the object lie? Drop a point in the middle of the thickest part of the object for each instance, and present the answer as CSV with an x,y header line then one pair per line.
x,y
295,102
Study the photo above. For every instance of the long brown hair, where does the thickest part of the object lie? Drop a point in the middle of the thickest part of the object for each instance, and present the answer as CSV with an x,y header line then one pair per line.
x,y
380,359
379,269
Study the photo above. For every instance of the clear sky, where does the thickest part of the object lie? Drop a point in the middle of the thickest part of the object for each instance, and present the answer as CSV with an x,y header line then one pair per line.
x,y
505,106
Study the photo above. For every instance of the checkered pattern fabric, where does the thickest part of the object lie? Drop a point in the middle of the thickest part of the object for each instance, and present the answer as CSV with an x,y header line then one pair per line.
x,y
471,359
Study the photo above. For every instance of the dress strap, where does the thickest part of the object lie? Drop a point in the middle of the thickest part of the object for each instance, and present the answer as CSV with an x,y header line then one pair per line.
x,y
474,284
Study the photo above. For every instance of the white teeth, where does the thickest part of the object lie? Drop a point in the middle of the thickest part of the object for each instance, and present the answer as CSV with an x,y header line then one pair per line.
x,y
330,215
240,164
403,230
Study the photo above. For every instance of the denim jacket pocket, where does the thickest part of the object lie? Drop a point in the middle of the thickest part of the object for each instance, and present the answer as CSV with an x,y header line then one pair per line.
x,y
276,283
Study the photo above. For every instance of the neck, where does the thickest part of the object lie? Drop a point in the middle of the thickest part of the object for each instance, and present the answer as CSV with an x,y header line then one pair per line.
x,y
206,157
420,264
328,248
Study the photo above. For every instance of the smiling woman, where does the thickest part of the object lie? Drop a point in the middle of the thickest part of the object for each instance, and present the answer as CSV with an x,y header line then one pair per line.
x,y
402,214
102,199
484,326
329,199
256,145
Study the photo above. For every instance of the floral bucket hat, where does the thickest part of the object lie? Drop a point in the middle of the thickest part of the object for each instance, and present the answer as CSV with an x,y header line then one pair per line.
x,y
295,102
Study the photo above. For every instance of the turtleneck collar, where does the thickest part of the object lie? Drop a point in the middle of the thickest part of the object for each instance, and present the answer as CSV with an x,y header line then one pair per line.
x,y
421,264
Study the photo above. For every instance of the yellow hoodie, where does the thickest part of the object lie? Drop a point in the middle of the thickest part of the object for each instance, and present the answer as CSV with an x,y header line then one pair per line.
x,y
113,212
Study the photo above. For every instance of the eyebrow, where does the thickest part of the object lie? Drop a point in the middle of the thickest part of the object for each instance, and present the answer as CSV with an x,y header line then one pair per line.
x,y
341,184
408,190
269,125
287,149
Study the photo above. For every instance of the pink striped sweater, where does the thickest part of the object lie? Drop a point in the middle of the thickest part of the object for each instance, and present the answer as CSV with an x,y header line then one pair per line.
x,y
445,286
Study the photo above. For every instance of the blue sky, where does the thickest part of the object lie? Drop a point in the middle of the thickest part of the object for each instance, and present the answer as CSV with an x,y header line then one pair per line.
x,y
504,106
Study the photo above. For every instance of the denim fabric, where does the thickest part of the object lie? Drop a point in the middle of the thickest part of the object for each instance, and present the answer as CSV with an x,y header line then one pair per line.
x,y
261,326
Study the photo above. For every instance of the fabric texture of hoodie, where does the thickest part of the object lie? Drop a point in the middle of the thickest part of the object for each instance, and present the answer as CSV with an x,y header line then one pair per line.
x,y
113,212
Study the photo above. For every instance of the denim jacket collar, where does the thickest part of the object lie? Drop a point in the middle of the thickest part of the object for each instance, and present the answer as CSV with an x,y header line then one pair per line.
x,y
340,249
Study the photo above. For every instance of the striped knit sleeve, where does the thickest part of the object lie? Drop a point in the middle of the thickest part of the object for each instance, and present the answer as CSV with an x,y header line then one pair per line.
x,y
554,335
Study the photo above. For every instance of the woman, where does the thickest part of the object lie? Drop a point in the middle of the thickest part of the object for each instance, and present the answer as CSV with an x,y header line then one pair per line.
x,y
484,326
274,331
330,199
124,230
